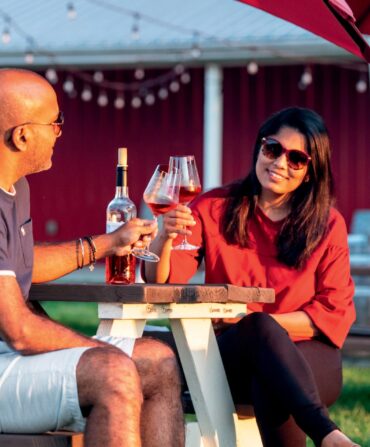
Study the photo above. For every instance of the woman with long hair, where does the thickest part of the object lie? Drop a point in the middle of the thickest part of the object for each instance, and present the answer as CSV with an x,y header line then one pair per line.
x,y
276,228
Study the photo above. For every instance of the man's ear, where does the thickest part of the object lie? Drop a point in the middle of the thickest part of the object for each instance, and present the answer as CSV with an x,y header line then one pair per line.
x,y
19,138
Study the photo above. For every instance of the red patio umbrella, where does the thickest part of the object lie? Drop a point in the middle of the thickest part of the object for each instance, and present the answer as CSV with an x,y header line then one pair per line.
x,y
338,21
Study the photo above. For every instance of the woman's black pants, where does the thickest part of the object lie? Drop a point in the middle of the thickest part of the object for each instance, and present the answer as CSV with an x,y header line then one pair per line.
x,y
289,384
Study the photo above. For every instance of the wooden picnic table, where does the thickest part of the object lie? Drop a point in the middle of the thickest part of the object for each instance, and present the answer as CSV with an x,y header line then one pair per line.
x,y
124,310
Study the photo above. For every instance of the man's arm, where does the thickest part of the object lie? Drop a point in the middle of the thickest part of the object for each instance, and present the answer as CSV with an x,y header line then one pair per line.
x,y
28,332
51,261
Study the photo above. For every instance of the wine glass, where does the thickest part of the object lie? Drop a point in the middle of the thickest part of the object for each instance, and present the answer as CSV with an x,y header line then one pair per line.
x,y
189,187
161,195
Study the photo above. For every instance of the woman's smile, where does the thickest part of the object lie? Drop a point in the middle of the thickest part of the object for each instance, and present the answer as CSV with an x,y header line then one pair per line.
x,y
276,176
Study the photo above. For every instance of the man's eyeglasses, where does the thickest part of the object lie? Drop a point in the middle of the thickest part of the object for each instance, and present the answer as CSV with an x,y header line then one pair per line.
x,y
273,149
57,124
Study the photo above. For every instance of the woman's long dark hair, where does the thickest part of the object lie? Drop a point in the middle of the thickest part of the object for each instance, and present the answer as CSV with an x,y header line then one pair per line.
x,y
307,221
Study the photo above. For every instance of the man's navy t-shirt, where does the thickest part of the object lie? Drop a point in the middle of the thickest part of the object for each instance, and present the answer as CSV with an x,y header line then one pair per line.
x,y
16,238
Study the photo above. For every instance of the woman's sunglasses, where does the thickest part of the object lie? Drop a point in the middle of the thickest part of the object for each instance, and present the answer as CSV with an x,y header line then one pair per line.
x,y
273,149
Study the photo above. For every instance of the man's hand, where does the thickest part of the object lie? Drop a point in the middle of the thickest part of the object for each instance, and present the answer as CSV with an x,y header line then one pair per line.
x,y
55,260
135,232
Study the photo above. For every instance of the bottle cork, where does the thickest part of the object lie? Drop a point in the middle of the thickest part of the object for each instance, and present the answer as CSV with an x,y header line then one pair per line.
x,y
122,156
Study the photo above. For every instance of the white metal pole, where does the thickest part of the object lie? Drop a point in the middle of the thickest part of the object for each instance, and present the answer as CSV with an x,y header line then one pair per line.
x,y
213,127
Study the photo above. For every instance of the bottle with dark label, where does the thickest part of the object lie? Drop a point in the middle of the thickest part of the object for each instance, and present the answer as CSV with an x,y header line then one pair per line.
x,y
120,269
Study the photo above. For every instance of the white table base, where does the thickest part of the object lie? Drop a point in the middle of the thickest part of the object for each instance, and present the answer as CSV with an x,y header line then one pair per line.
x,y
218,424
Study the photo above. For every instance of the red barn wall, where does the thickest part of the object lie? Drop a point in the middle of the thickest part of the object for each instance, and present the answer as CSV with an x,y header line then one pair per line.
x,y
75,192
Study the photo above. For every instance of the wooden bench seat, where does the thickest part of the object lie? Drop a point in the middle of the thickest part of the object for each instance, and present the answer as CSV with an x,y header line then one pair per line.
x,y
55,439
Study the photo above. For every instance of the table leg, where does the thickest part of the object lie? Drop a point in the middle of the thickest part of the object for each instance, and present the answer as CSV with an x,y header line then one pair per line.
x,y
121,328
205,375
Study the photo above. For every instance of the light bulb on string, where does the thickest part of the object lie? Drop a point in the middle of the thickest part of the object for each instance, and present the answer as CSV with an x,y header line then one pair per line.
x,y
179,69
361,85
68,85
306,78
103,99
71,11
119,102
149,99
139,74
163,93
73,93
29,57
185,78
86,94
136,102
174,86
252,68
195,51
5,36
135,30
51,75
98,77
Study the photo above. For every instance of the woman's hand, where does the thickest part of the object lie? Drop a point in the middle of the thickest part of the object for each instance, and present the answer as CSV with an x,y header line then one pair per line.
x,y
221,324
136,232
176,222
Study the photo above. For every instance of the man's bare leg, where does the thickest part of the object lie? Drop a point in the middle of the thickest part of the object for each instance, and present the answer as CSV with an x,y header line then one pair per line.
x,y
108,382
162,420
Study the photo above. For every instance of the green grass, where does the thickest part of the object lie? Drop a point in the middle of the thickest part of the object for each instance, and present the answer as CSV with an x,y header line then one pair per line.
x,y
351,412
82,317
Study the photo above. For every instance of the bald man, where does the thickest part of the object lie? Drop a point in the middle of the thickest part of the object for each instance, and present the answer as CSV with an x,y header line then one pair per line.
x,y
50,376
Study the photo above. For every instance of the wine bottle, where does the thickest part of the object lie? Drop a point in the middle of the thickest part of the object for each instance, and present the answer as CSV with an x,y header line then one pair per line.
x,y
120,269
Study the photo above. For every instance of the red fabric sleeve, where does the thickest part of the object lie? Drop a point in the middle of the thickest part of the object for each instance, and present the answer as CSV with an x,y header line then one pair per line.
x,y
332,309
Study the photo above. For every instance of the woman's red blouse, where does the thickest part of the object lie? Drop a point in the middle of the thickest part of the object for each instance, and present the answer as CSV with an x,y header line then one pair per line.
x,y
323,288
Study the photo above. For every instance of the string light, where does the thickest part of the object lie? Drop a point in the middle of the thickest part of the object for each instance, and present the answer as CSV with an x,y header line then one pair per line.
x,y
179,69
361,84
98,76
86,94
139,74
135,31
103,99
306,78
119,102
5,36
252,68
174,87
29,57
149,99
163,93
68,85
185,78
136,102
195,51
51,75
71,11
73,93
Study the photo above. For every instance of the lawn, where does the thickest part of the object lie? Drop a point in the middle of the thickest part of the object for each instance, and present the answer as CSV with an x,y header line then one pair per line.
x,y
351,412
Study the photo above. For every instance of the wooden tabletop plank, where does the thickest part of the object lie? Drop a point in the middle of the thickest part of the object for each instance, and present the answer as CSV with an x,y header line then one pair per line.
x,y
151,293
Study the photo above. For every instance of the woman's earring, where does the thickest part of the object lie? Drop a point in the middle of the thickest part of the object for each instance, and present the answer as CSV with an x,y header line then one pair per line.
x,y
306,179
